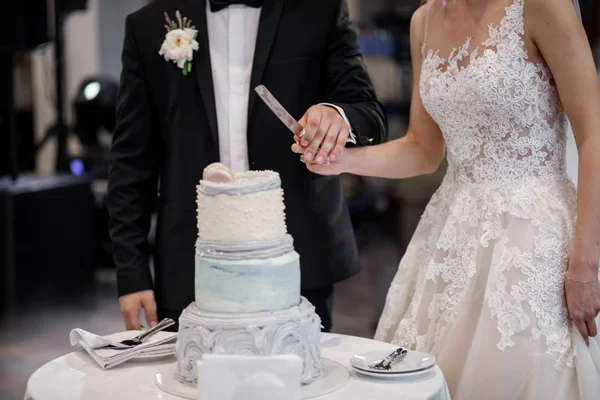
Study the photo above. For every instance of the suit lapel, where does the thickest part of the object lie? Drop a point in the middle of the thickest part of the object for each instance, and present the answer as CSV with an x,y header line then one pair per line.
x,y
269,21
196,11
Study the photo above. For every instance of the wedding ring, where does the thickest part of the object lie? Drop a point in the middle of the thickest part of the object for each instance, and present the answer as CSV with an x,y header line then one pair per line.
x,y
302,133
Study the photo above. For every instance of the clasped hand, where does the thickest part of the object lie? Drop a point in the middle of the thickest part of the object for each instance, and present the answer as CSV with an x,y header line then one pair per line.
x,y
324,138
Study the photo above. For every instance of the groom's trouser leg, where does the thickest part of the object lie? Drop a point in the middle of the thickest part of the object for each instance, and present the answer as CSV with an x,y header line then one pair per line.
x,y
322,299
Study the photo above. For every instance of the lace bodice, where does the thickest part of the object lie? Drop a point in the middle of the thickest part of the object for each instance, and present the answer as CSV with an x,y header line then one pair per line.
x,y
500,114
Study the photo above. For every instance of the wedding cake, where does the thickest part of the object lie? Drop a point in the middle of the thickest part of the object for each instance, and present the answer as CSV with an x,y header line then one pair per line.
x,y
247,277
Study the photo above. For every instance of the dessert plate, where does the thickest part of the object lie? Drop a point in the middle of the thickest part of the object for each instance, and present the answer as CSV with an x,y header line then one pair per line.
x,y
335,376
406,375
152,357
414,361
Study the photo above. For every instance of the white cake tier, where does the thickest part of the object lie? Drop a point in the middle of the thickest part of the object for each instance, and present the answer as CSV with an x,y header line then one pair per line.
x,y
257,279
249,209
295,330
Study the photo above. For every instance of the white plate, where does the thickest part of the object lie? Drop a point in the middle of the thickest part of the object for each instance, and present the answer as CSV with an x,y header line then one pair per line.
x,y
117,337
406,375
414,361
335,376
152,357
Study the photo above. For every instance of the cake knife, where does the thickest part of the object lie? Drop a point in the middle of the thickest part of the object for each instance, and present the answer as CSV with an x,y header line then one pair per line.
x,y
281,113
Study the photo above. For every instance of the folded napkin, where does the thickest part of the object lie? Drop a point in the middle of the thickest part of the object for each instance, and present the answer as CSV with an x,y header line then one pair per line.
x,y
158,344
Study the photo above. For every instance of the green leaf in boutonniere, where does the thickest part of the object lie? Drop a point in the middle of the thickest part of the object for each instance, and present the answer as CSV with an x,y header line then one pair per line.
x,y
180,42
187,68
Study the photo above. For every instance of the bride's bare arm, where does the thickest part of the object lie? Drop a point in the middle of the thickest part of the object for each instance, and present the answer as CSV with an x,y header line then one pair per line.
x,y
419,152
558,34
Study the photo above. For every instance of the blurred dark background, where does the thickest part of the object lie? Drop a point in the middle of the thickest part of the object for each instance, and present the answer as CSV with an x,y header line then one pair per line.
x,y
60,64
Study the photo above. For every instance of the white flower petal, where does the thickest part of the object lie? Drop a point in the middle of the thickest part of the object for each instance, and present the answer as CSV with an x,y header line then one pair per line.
x,y
179,46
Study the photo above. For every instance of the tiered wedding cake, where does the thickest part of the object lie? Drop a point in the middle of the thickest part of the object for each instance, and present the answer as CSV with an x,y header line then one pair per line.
x,y
247,277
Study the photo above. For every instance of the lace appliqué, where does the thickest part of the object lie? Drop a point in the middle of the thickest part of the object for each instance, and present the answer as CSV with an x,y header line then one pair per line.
x,y
500,114
505,212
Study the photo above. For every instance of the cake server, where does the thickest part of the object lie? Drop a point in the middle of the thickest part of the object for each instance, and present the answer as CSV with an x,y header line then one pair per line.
x,y
164,324
281,113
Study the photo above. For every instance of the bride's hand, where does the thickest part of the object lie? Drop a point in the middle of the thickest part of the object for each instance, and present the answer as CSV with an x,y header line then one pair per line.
x,y
583,299
327,167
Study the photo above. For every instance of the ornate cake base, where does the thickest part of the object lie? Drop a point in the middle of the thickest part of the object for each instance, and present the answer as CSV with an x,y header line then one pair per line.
x,y
294,330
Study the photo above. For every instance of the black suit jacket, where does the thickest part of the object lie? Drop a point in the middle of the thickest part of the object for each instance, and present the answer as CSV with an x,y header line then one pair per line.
x,y
166,134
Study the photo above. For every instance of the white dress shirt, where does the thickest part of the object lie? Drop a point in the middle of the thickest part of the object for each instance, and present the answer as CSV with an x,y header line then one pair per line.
x,y
232,34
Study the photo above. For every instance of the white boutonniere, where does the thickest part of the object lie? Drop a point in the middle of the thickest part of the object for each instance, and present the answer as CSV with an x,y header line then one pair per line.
x,y
180,42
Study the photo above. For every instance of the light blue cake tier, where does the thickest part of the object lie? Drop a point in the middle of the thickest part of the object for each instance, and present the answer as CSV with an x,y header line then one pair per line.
x,y
259,277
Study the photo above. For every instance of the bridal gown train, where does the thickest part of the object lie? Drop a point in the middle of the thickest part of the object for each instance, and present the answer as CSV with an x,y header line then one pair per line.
x,y
481,285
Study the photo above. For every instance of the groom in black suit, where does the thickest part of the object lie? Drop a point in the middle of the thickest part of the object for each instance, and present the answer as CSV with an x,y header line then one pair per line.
x,y
176,117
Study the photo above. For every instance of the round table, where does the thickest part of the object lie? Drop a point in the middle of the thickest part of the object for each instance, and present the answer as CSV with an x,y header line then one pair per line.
x,y
76,376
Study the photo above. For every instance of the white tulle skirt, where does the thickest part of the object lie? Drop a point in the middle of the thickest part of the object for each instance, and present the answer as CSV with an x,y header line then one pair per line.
x,y
587,362
481,287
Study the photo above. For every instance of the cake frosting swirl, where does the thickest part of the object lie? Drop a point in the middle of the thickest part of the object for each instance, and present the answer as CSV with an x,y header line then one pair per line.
x,y
290,331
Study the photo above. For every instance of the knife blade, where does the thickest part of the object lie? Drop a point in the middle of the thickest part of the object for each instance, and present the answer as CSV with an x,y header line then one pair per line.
x,y
277,109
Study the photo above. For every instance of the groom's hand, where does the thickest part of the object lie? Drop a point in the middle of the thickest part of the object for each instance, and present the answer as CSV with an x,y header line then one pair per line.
x,y
132,304
326,133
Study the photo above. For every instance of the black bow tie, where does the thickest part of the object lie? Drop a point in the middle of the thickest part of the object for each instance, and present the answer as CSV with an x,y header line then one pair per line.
x,y
217,5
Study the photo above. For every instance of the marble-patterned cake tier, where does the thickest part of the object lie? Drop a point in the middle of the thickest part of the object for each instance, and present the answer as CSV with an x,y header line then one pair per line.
x,y
247,285
296,330
249,209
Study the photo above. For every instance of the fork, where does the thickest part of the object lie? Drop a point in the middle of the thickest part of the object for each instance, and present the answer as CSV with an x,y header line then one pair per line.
x,y
136,341
386,363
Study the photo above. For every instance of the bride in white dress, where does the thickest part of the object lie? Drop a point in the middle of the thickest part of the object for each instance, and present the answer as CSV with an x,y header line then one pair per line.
x,y
500,281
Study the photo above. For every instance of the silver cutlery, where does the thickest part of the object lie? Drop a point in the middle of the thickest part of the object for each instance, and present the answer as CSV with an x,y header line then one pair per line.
x,y
387,362
136,341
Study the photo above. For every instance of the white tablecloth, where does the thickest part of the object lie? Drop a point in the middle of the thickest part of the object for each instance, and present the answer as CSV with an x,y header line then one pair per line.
x,y
76,376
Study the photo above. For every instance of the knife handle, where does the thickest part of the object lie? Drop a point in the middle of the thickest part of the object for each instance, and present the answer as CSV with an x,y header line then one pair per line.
x,y
165,323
